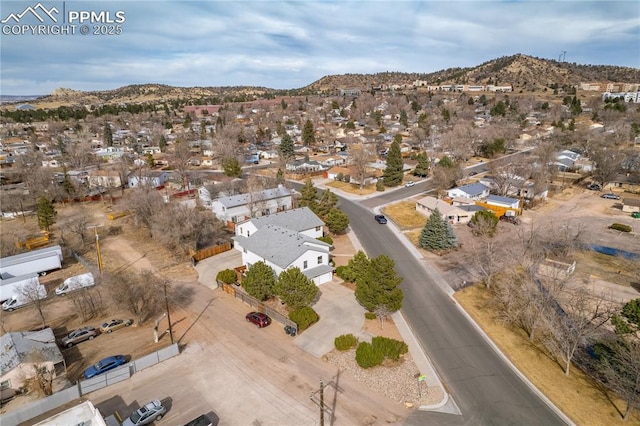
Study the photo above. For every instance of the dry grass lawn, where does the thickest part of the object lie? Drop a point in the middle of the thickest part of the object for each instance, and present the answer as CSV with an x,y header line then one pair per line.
x,y
404,214
578,396
351,188
615,269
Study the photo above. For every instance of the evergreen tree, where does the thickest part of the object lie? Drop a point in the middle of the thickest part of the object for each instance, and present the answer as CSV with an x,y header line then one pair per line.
x,y
403,118
393,173
308,134
46,213
280,176
337,221
358,265
437,233
287,148
422,166
107,135
379,287
231,167
163,144
308,195
327,202
484,222
259,281
295,289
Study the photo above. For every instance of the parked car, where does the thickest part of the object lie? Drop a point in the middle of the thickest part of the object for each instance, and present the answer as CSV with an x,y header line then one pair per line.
x,y
77,336
149,413
409,184
258,318
635,215
380,219
594,187
115,324
203,420
510,219
611,196
104,365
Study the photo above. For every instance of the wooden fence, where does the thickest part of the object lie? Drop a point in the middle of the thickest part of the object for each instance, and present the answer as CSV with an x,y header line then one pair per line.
x,y
209,251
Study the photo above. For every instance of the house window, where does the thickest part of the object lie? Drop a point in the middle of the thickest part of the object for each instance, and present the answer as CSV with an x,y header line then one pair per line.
x,y
248,233
304,265
244,250
318,228
319,260
5,385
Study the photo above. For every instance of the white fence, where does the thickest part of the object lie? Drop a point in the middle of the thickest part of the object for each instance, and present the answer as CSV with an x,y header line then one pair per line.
x,y
83,387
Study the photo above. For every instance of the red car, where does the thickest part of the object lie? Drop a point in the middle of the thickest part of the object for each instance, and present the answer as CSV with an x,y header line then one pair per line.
x,y
258,318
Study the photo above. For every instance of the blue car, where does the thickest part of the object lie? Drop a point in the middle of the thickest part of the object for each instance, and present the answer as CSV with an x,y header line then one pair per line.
x,y
109,363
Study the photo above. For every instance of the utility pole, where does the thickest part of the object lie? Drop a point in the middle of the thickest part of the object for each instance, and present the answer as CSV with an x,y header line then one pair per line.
x,y
320,402
98,252
166,302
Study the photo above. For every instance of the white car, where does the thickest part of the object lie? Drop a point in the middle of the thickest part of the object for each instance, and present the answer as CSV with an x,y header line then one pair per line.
x,y
409,184
148,414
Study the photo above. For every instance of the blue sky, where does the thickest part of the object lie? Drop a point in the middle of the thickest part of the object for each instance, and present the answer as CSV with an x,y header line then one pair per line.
x,y
287,45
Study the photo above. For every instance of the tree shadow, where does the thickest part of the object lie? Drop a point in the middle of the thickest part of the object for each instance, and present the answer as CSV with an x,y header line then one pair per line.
x,y
196,320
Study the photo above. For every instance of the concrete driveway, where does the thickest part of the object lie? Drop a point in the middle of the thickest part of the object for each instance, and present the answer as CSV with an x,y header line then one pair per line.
x,y
339,314
208,268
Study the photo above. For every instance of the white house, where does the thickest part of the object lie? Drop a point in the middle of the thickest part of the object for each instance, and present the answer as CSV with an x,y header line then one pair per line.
x,y
286,240
237,208
506,202
474,191
452,214
153,178
23,350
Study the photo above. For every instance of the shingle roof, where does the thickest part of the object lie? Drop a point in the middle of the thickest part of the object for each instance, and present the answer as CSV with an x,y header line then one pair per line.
x,y
17,346
473,189
297,220
280,246
242,199
502,200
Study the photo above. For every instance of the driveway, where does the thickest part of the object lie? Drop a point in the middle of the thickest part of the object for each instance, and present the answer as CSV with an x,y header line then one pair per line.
x,y
339,314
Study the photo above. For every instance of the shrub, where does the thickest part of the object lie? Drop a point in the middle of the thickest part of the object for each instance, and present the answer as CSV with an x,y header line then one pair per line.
x,y
380,185
304,317
345,342
621,227
389,348
367,356
227,276
326,239
343,272
370,315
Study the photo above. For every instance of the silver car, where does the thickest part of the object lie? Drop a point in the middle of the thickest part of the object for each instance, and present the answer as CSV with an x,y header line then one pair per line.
x,y
79,335
149,413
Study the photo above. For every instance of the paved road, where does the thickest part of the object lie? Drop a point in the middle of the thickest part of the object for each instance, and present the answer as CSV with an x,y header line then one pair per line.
x,y
485,389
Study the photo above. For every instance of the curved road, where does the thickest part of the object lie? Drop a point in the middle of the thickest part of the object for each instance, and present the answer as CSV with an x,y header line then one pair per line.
x,y
483,386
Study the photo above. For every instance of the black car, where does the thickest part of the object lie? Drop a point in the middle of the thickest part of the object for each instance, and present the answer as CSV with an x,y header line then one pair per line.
x,y
380,219
594,187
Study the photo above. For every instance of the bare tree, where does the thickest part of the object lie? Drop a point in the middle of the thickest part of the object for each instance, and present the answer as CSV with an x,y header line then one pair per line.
x,y
181,157
359,156
139,294
76,225
607,165
87,302
621,368
34,293
580,319
43,375
146,203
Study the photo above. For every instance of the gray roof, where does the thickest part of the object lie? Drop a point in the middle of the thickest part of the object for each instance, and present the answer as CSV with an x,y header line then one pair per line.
x,y
17,347
278,245
317,271
503,200
297,220
472,208
242,199
473,189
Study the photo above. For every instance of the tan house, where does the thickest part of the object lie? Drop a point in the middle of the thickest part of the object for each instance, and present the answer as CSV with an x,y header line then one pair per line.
x,y
104,178
22,351
453,214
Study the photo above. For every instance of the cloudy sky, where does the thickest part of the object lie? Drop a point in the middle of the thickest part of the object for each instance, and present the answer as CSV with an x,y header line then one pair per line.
x,y
287,45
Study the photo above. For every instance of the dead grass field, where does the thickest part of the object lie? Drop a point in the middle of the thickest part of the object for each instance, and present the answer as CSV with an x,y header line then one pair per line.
x,y
351,188
614,269
578,396
404,214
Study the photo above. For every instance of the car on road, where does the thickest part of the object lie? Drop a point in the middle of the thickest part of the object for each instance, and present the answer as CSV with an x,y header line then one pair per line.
x,y
611,196
104,365
149,413
409,184
380,219
77,336
258,318
115,324
594,187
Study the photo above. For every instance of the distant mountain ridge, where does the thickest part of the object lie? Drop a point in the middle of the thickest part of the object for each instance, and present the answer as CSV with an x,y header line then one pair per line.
x,y
521,71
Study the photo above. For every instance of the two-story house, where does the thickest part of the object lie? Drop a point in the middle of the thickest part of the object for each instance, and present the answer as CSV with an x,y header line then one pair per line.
x,y
285,240
237,208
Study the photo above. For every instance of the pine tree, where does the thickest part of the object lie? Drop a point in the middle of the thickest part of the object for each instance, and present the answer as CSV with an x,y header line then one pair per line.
x,y
46,213
259,281
327,202
163,144
337,221
393,173
358,265
422,166
231,167
295,289
287,148
403,118
308,134
437,233
379,287
280,176
108,135
308,195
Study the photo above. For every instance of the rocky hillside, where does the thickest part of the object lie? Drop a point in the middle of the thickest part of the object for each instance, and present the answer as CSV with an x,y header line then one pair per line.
x,y
521,71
